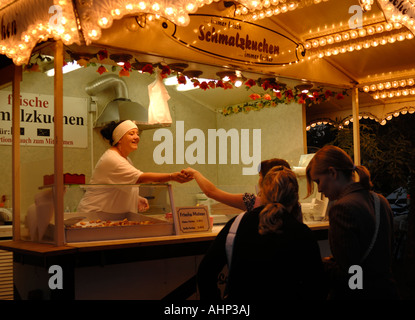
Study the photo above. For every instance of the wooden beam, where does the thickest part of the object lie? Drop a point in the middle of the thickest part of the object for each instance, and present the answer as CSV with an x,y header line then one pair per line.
x,y
16,74
58,147
356,127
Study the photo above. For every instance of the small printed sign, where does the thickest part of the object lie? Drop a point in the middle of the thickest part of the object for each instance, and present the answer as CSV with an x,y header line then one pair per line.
x,y
193,219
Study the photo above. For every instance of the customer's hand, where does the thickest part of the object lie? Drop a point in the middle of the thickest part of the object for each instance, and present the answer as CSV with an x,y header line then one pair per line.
x,y
181,177
190,172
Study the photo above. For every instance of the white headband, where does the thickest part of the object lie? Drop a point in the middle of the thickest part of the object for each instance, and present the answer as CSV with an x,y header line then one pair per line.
x,y
122,129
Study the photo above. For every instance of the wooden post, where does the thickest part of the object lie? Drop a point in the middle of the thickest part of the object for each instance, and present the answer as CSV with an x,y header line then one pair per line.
x,y
58,147
356,127
17,78
304,128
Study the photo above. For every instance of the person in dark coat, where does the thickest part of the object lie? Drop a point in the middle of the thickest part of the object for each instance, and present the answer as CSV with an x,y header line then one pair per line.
x,y
358,269
275,255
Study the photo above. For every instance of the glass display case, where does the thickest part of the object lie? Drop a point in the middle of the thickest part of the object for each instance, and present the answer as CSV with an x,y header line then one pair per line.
x,y
157,220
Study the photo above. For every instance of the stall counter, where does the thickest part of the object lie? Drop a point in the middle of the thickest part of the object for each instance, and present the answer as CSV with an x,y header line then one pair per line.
x,y
151,268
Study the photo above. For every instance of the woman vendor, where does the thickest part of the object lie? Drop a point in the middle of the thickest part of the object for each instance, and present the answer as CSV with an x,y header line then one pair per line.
x,y
115,168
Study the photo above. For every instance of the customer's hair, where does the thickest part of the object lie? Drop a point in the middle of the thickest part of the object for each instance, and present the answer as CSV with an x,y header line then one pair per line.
x,y
279,190
107,131
332,156
266,165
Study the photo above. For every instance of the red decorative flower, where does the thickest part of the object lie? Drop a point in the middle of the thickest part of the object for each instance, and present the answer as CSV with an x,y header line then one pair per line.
x,y
220,84
328,94
181,79
289,94
204,85
196,83
278,94
102,54
148,68
227,85
249,83
212,84
165,71
340,96
124,72
266,85
127,66
254,96
102,69
266,96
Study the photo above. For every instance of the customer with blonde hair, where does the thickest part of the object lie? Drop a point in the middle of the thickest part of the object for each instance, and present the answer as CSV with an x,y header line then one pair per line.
x,y
271,255
359,234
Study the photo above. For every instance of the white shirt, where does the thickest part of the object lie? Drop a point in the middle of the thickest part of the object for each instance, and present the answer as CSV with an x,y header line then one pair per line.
x,y
112,171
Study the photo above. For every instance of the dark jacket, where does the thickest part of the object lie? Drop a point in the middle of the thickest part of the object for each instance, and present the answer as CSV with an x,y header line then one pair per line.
x,y
285,265
352,225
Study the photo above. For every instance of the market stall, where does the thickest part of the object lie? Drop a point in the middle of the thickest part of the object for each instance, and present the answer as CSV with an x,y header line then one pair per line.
x,y
299,62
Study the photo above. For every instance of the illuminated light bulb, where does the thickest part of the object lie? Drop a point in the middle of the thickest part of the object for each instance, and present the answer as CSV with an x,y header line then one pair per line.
x,y
103,22
383,122
402,83
335,51
337,38
374,43
401,37
330,40
322,42
358,46
373,87
350,48
362,32
391,39
405,92
410,82
353,34
395,84
376,96
307,45
343,49
390,94
409,36
327,53
379,28
345,36
116,12
366,45
389,117
388,26
155,7
169,11
315,43
366,88
380,86
183,19
412,91
370,30
398,93
383,95
321,55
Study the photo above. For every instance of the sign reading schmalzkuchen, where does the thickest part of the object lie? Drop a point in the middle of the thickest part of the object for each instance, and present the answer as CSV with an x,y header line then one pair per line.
x,y
235,39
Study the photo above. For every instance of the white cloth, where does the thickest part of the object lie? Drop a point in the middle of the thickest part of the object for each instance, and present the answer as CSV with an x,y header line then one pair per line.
x,y
112,171
122,129
158,110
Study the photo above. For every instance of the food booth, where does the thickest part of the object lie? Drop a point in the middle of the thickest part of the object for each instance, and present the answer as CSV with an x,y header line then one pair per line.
x,y
133,60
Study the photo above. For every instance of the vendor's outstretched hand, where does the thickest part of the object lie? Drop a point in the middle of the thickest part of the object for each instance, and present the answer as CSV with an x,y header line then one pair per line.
x,y
181,177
